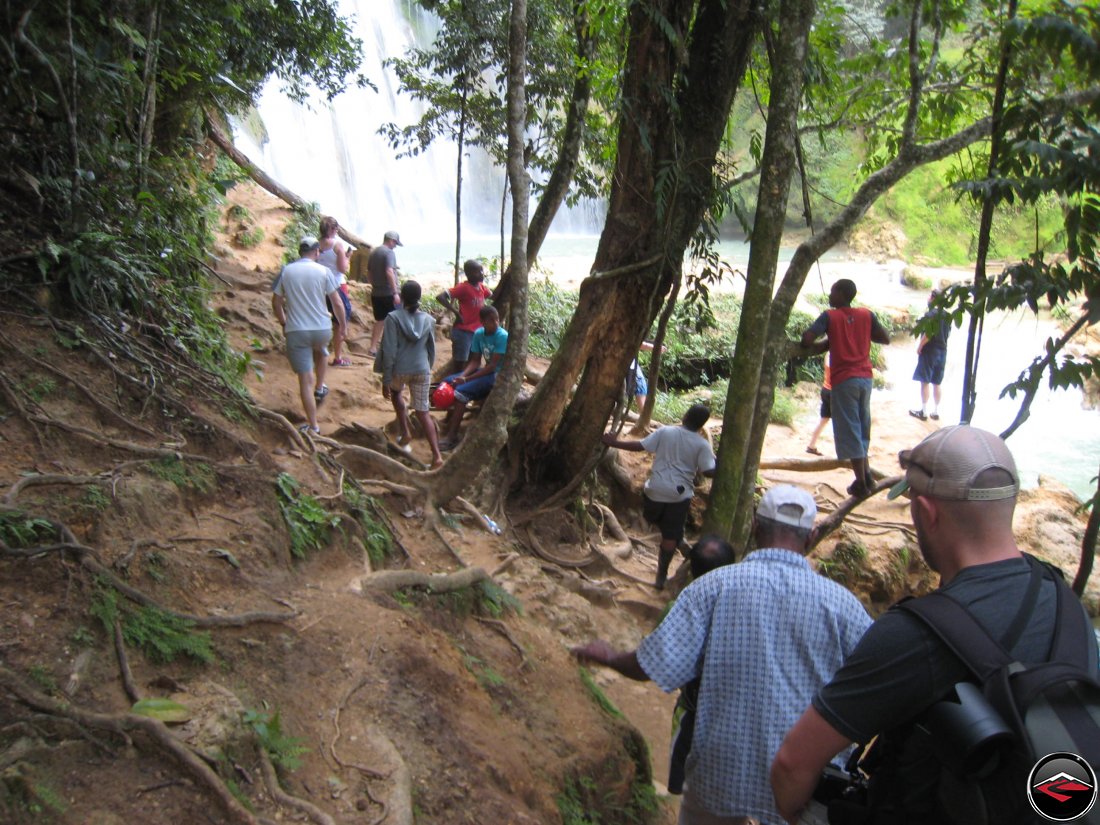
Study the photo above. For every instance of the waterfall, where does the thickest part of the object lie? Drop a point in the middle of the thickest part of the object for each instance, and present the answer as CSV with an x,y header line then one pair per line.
x,y
331,152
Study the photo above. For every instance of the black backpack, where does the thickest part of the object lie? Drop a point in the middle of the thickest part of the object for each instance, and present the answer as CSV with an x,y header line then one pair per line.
x,y
987,752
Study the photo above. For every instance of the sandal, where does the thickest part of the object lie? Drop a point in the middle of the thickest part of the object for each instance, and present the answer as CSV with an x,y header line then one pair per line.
x,y
341,362
814,451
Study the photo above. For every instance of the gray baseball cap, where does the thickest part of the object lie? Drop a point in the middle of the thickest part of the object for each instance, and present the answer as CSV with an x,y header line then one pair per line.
x,y
948,463
393,236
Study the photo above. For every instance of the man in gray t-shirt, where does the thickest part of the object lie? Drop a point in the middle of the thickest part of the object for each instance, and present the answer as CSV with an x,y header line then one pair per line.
x,y
298,301
679,453
382,272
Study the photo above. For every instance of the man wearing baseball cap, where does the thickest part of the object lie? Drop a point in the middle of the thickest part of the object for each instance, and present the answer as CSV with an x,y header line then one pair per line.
x,y
762,635
962,485
382,273
298,301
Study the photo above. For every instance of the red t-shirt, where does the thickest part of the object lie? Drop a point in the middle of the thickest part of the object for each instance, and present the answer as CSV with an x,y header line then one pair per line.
x,y
470,301
849,343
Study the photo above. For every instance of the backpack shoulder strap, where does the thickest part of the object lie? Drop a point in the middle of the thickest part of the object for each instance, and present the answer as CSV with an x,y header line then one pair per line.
x,y
960,631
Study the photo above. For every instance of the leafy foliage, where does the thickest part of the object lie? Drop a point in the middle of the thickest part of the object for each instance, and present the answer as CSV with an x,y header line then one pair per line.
x,y
307,519
160,635
18,530
197,476
284,750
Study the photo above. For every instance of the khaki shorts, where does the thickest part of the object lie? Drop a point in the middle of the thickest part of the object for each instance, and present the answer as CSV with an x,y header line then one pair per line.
x,y
418,389
302,344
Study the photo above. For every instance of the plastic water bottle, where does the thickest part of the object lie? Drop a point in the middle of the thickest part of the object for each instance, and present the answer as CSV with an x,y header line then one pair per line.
x,y
493,526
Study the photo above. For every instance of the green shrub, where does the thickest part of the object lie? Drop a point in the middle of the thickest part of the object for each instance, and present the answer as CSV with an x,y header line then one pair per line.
x,y
197,476
18,530
784,408
307,519
549,310
249,238
284,750
160,635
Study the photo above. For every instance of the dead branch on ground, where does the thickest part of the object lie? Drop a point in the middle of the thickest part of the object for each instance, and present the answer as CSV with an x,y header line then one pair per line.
x,y
123,724
391,580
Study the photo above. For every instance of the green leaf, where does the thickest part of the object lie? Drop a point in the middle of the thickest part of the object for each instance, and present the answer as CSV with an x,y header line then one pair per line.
x,y
163,709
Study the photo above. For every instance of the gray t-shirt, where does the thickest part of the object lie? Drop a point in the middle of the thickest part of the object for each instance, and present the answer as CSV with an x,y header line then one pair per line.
x,y
900,667
305,284
678,454
381,259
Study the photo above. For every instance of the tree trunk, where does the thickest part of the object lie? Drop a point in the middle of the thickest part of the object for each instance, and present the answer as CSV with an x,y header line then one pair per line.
x,y
985,229
684,63
777,164
458,181
557,187
468,467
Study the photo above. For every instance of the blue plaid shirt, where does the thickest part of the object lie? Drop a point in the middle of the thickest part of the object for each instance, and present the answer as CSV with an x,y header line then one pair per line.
x,y
764,635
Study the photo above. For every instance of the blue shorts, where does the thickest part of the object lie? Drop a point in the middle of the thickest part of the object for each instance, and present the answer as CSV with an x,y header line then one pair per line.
x,y
930,364
474,390
851,403
461,340
636,384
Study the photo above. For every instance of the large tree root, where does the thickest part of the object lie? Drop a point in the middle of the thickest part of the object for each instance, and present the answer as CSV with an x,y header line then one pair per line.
x,y
391,580
123,724
289,800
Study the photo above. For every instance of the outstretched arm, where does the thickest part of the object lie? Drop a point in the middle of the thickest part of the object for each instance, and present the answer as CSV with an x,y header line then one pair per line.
x,y
601,653
632,446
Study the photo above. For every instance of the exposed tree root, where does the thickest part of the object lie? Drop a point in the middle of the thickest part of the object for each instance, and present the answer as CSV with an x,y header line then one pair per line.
x,y
290,430
401,801
89,560
124,724
46,479
537,548
833,521
390,580
454,553
124,665
289,800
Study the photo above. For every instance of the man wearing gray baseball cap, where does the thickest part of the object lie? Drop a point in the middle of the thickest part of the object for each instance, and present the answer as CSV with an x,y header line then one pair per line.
x,y
962,485
763,635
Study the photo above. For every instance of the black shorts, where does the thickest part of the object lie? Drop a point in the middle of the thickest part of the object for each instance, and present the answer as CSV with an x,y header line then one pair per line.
x,y
669,516
382,306
826,403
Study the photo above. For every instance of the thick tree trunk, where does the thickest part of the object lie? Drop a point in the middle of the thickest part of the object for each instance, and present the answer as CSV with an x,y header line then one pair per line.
x,y
677,91
777,165
458,184
468,468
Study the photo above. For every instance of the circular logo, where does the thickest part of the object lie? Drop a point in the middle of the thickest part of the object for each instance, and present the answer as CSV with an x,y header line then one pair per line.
x,y
1061,787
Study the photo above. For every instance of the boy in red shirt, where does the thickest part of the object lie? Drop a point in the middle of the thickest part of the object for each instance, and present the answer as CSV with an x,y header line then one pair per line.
x,y
850,332
471,298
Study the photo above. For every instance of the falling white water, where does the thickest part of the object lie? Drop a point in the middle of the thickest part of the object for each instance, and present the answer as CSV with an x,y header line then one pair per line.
x,y
331,152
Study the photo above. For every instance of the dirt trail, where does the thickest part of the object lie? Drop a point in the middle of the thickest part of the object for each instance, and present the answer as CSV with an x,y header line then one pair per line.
x,y
443,707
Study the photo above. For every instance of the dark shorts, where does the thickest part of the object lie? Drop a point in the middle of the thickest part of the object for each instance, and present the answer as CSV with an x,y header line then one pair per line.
x,y
851,403
930,364
461,340
826,403
347,306
382,306
668,516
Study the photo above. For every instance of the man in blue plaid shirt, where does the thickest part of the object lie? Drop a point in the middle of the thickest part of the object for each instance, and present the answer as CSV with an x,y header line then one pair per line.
x,y
763,635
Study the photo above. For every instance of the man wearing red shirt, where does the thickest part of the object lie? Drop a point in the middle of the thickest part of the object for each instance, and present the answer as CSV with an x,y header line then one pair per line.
x,y
471,298
849,333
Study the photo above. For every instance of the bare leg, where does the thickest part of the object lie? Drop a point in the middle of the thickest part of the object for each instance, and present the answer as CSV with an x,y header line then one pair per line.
x,y
337,344
399,407
454,421
816,434
937,394
376,335
309,404
668,550
427,424
924,396
320,367
864,480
